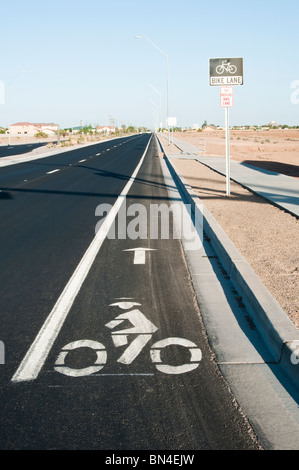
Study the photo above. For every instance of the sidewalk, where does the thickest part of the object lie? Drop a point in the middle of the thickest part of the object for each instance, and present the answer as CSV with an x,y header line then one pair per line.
x,y
279,189
269,238
266,235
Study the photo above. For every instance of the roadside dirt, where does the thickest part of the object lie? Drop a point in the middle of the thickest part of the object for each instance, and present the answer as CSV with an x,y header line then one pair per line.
x,y
267,236
273,149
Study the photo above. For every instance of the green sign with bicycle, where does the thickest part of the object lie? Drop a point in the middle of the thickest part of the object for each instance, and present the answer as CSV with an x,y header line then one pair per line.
x,y
226,71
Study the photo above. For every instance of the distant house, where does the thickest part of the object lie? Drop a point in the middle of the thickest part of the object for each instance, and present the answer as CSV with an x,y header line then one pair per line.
x,y
30,129
105,129
273,124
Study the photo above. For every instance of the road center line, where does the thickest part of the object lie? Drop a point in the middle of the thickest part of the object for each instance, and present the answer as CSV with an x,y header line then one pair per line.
x,y
53,171
41,346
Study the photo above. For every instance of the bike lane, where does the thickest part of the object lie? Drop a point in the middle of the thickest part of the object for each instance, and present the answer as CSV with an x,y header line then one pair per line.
x,y
131,367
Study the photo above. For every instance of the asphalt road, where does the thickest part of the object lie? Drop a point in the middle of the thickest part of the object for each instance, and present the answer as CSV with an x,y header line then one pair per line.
x,y
72,378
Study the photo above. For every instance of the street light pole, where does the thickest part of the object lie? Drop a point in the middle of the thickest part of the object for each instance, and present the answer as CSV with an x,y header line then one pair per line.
x,y
157,114
8,103
167,77
160,108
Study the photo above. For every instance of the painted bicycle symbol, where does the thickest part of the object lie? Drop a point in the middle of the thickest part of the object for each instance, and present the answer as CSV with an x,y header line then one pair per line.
x,y
143,330
226,67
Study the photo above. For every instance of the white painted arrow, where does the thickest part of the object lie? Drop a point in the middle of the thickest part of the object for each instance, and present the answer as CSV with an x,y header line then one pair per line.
x,y
139,254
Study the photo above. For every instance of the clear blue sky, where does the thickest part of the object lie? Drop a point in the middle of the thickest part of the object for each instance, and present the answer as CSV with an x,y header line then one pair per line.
x,y
83,62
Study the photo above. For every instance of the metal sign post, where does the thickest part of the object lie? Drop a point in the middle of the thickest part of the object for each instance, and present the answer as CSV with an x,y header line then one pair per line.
x,y
227,161
171,123
226,101
226,73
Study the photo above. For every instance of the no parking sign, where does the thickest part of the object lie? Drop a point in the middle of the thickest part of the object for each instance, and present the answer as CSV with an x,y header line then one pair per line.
x,y
226,97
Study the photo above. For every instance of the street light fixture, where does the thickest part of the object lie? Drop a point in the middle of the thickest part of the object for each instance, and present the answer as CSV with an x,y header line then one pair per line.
x,y
167,75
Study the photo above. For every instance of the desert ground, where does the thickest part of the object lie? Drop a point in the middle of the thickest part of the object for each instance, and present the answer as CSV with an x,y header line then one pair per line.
x,y
273,149
267,236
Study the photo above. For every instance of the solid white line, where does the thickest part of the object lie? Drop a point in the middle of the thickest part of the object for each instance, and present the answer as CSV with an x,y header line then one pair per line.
x,y
41,346
53,171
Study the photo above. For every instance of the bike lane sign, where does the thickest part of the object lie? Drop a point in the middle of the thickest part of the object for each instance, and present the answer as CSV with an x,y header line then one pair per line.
x,y
226,71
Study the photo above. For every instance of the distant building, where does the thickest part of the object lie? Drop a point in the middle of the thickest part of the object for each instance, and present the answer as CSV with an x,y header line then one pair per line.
x,y
105,129
30,129
273,124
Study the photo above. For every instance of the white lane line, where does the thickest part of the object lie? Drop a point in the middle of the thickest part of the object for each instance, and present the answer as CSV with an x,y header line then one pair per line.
x,y
41,346
53,171
97,154
81,161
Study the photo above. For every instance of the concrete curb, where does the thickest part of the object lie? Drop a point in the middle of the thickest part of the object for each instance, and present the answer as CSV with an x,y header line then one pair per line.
x,y
279,333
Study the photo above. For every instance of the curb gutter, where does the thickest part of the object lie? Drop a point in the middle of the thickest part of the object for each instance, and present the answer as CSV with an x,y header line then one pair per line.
x,y
279,333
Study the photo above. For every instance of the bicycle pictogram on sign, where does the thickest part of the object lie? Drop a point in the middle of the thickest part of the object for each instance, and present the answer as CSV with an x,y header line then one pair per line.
x,y
226,67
